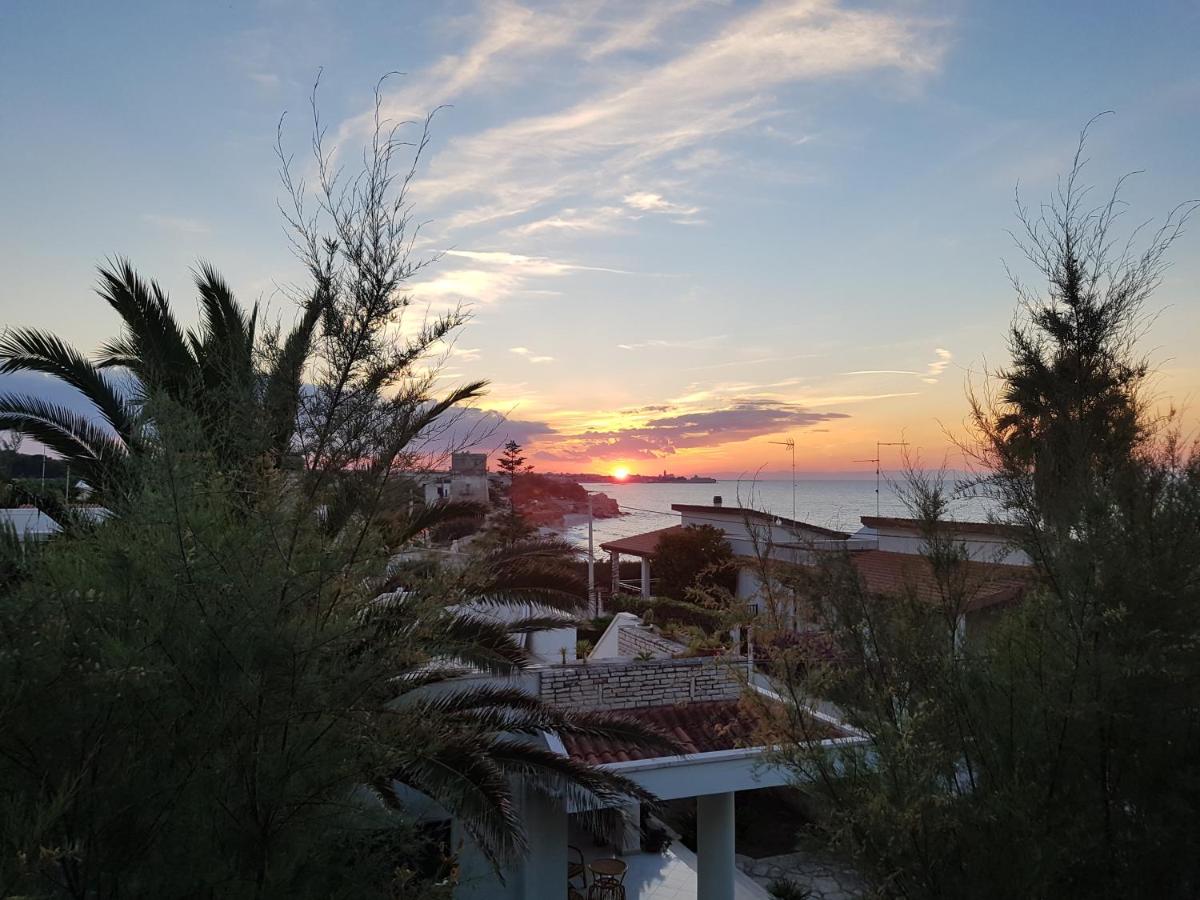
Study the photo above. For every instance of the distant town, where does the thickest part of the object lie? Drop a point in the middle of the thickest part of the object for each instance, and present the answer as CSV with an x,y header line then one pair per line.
x,y
632,478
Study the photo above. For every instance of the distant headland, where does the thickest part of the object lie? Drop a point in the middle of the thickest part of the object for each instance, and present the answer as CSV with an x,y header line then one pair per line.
x,y
632,478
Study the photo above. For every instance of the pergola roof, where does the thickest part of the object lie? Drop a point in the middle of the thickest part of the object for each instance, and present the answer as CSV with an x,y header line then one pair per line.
x,y
644,544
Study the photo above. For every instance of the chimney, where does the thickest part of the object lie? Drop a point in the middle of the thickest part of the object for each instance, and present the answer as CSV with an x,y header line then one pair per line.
x,y
717,500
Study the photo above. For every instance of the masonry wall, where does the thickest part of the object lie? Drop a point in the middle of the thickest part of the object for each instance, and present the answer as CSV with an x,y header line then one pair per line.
x,y
626,684
633,639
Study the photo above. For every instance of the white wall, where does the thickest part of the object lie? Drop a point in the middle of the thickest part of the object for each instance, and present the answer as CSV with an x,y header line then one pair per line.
x,y
742,535
981,547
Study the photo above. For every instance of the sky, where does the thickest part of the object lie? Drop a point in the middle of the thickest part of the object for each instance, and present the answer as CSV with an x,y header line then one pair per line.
x,y
684,229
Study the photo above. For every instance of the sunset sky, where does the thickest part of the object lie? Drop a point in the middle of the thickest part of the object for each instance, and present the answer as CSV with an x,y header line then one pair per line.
x,y
686,228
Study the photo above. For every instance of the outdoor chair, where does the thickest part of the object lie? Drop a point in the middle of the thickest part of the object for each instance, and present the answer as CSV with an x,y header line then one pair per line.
x,y
576,866
606,890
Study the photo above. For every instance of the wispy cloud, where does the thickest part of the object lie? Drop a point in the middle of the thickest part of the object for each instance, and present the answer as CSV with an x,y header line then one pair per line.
x,y
176,224
930,375
648,201
530,355
702,343
664,435
493,275
603,144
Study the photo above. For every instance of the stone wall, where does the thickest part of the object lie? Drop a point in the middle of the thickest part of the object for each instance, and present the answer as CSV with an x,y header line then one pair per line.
x,y
635,639
626,684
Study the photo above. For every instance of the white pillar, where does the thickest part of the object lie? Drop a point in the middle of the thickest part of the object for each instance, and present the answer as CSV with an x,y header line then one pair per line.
x,y
714,846
645,577
616,573
545,869
631,834
476,878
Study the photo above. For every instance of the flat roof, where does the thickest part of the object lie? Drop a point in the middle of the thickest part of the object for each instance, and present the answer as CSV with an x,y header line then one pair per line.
x,y
995,528
760,516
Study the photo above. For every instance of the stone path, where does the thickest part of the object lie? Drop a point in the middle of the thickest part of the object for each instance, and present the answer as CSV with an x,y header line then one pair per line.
x,y
825,878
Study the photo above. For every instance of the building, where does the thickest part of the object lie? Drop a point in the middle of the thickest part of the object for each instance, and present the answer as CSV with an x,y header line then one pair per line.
x,y
886,552
466,480
697,700
29,523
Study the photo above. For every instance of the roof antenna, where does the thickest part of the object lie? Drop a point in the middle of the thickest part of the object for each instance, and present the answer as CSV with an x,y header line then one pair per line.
x,y
875,460
791,445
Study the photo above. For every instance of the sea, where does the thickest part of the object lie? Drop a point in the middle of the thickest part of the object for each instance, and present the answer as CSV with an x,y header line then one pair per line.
x,y
836,504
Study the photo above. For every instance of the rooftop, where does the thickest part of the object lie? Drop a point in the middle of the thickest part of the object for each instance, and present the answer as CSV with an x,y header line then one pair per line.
x,y
644,544
993,528
698,728
987,584
759,516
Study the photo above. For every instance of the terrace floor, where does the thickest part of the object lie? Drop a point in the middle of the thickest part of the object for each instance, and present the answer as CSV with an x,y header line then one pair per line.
x,y
667,876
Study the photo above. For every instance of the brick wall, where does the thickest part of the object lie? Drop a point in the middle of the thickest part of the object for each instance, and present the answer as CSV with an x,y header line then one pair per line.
x,y
633,639
626,684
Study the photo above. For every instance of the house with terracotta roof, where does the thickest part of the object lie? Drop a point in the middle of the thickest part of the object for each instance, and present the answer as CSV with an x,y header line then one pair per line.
x,y
713,707
701,702
749,532
885,551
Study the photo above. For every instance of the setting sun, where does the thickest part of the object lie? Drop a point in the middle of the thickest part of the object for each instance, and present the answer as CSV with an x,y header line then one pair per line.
x,y
620,473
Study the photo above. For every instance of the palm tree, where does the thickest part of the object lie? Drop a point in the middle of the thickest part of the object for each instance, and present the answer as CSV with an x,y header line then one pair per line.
x,y
464,733
244,408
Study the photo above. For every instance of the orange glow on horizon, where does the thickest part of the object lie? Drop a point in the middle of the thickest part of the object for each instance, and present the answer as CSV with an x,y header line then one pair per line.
x,y
620,473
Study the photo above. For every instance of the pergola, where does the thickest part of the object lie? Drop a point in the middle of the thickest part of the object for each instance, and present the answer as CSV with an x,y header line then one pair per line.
x,y
643,546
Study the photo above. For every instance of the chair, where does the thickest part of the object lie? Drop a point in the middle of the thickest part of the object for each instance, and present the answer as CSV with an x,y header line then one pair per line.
x,y
606,890
576,867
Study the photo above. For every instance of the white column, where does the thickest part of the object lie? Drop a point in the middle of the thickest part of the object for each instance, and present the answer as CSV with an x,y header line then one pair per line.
x,y
631,834
616,573
476,878
714,846
645,577
545,870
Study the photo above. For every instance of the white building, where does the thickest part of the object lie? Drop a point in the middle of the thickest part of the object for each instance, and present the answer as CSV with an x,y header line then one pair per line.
x,y
699,702
886,552
30,523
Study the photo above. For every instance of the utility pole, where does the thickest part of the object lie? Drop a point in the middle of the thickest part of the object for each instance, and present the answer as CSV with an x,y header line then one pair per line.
x,y
592,604
791,445
876,460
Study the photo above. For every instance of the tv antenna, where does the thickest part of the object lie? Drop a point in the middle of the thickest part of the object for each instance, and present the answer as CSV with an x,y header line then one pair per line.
x,y
876,459
791,445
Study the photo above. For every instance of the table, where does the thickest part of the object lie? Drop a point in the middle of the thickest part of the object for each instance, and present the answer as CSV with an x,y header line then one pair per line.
x,y
609,869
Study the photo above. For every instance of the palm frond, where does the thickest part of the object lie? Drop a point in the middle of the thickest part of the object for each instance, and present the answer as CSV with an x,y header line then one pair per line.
x,y
472,788
31,350
281,397
482,643
93,452
594,795
153,342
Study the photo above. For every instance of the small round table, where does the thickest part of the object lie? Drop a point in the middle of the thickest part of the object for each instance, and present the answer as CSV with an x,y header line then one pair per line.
x,y
609,870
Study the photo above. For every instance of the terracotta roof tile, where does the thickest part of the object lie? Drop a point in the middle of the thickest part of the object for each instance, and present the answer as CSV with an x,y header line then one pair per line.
x,y
987,584
639,544
698,727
